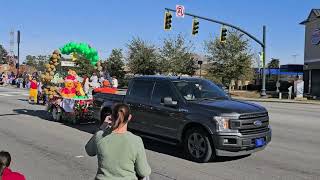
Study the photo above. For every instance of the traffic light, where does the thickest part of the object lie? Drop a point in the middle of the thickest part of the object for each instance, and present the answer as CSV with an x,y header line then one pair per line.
x,y
167,21
195,26
223,35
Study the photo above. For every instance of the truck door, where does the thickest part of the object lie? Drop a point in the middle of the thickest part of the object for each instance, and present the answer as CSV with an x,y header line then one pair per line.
x,y
138,98
165,119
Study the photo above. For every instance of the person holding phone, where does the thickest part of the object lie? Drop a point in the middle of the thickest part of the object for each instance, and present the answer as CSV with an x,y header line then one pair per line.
x,y
121,154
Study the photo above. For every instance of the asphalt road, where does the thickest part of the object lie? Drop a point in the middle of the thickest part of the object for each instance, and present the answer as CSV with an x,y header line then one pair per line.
x,y
43,149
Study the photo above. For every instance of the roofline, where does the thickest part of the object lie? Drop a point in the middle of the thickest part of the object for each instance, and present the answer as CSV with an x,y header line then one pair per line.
x,y
307,20
304,22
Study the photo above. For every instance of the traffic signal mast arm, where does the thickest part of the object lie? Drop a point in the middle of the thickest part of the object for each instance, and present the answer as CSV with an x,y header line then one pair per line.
x,y
222,23
263,43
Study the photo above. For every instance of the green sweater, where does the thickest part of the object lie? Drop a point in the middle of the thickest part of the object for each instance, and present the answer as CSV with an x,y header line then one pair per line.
x,y
120,156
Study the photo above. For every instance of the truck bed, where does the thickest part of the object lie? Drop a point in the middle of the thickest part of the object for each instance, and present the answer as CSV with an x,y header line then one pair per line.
x,y
117,97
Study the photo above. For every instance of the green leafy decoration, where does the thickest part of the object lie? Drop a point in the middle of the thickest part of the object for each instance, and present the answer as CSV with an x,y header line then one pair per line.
x,y
81,48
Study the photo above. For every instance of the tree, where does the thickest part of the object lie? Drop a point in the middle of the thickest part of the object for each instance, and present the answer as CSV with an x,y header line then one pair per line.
x,y
31,60
142,57
37,62
230,60
274,63
176,57
84,66
3,55
41,61
115,64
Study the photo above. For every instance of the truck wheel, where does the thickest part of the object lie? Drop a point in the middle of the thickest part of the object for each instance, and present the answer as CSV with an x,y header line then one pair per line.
x,y
56,115
197,145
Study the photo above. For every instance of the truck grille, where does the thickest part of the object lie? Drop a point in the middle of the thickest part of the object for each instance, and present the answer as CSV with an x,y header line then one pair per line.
x,y
253,123
253,116
253,130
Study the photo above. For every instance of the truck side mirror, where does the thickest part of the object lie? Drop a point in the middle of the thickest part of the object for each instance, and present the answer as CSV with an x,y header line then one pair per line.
x,y
167,101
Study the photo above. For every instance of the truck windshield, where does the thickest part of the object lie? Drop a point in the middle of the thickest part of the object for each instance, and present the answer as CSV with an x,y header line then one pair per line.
x,y
199,90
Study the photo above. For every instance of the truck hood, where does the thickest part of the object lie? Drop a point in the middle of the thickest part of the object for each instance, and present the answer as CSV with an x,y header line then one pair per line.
x,y
229,106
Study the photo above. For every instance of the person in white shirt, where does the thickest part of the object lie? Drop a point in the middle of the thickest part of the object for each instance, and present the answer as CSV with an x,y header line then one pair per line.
x,y
94,81
114,82
85,84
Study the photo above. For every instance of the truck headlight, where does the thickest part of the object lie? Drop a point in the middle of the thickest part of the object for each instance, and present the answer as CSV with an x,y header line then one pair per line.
x,y
222,123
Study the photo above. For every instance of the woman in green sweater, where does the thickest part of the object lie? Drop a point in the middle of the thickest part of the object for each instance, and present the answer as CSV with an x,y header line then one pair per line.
x,y
121,154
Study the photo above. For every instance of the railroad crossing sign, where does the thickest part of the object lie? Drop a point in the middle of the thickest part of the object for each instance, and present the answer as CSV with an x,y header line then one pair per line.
x,y
180,11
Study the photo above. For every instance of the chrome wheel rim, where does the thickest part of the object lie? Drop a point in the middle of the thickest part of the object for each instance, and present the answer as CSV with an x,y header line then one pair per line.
x,y
54,114
196,145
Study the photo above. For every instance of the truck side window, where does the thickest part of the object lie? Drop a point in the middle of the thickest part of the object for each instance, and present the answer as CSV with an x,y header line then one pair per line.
x,y
141,90
162,90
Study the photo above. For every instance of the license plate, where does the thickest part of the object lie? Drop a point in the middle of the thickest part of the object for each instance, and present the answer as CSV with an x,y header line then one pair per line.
x,y
260,142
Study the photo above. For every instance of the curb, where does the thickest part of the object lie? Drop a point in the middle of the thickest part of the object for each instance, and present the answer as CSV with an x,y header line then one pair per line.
x,y
278,101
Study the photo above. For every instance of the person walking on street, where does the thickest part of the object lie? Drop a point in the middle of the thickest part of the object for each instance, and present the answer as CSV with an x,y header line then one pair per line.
x,y
33,92
5,171
121,154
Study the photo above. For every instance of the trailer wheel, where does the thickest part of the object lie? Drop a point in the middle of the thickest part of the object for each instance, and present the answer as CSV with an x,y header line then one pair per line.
x,y
56,115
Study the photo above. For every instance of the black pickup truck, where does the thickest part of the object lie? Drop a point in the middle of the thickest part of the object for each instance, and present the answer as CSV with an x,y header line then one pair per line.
x,y
192,112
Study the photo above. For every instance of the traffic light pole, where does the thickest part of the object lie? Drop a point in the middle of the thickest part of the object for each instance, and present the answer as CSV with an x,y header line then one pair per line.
x,y
262,44
263,90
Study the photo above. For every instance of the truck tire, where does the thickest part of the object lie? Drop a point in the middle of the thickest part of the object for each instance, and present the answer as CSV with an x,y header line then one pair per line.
x,y
198,146
56,115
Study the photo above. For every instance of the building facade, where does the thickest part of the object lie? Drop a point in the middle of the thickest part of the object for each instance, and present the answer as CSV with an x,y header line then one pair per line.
x,y
312,53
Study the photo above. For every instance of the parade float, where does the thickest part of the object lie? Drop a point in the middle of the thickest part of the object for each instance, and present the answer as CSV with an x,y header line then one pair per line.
x,y
66,99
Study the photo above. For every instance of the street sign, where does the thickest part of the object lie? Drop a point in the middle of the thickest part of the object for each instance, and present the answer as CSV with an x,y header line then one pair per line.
x,y
180,11
68,63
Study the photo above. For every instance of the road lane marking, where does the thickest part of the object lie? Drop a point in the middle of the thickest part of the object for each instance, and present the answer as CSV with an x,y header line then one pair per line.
x,y
13,94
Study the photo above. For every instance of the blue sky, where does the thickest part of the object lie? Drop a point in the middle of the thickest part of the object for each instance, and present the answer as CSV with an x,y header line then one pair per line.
x,y
105,24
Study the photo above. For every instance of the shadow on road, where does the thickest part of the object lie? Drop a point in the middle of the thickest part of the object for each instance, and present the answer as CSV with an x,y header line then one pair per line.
x,y
151,145
11,114
43,114
26,100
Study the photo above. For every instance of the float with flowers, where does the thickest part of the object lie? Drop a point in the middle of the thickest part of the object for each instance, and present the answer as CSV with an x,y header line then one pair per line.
x,y
63,86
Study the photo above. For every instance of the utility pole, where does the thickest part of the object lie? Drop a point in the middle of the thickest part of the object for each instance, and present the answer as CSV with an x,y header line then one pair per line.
x,y
295,57
263,90
262,44
18,64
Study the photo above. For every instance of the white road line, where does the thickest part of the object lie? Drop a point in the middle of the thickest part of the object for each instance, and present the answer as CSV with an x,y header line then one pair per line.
x,y
1,94
13,94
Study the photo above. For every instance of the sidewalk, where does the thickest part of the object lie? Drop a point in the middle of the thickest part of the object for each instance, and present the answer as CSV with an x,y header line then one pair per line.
x,y
275,100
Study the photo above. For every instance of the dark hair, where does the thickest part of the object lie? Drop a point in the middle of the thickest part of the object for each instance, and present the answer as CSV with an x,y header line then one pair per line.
x,y
5,158
2,166
120,114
